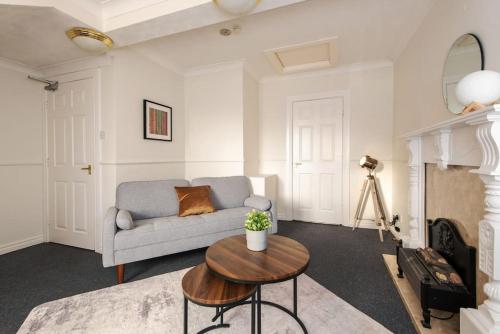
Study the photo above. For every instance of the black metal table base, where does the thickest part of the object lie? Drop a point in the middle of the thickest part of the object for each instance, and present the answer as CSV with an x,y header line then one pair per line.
x,y
259,302
219,313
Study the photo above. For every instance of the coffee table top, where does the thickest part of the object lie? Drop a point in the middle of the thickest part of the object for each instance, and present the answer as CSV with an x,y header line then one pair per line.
x,y
283,259
203,288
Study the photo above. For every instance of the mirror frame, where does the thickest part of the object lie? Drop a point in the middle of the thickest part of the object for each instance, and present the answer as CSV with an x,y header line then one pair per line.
x,y
481,50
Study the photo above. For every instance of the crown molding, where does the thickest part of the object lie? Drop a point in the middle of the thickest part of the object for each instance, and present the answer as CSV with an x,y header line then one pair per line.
x,y
18,66
250,70
214,68
155,58
225,66
355,67
76,65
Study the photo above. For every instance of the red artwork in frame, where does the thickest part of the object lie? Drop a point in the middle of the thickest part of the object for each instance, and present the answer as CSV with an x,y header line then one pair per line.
x,y
157,121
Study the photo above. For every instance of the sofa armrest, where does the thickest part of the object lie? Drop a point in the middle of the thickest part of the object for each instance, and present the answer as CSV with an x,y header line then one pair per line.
x,y
108,237
259,202
274,216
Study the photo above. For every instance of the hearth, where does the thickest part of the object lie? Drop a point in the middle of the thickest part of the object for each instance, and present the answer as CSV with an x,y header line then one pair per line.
x,y
430,278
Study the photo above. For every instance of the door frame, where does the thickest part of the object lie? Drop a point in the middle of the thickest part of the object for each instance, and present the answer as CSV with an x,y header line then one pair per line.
x,y
95,76
346,116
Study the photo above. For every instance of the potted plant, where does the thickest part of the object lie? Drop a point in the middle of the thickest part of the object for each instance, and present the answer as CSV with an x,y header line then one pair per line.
x,y
256,227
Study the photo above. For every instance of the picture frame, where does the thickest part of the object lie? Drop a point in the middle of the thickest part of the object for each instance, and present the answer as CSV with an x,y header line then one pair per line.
x,y
157,121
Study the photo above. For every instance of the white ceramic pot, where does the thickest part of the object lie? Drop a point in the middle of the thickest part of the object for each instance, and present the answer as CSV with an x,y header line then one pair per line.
x,y
481,87
256,240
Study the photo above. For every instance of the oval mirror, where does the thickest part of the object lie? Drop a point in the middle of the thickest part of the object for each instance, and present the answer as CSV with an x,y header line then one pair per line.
x,y
464,57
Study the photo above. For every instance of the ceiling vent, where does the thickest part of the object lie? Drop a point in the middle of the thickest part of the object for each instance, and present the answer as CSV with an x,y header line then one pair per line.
x,y
303,57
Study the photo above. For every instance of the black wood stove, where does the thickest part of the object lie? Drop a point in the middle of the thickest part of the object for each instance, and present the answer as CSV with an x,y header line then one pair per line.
x,y
445,239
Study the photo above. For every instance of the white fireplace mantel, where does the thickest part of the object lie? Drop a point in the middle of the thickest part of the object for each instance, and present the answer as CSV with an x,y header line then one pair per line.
x,y
471,140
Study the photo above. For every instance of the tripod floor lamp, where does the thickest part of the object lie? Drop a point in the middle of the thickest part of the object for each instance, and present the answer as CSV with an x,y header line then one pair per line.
x,y
370,188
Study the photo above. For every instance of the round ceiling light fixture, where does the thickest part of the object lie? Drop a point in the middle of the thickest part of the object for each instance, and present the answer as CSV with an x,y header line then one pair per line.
x,y
237,7
89,39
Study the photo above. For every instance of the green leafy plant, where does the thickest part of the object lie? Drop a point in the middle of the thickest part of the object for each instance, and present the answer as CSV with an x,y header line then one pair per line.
x,y
257,221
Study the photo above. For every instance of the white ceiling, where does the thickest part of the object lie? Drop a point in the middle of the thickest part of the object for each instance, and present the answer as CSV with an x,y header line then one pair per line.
x,y
367,31
32,31
35,36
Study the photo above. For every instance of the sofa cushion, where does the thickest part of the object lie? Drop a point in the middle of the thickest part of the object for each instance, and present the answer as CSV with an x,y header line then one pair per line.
x,y
227,192
149,199
194,200
165,229
258,202
124,220
230,218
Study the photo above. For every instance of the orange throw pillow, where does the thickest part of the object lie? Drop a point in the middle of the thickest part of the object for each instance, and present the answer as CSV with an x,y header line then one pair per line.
x,y
194,200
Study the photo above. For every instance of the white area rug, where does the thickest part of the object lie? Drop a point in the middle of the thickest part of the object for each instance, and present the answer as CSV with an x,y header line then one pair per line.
x,y
155,305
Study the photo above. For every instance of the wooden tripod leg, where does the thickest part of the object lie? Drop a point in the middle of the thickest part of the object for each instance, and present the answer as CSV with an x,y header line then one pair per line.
x,y
362,196
375,208
380,205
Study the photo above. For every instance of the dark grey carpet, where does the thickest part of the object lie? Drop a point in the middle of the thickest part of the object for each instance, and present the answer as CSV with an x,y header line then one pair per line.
x,y
348,263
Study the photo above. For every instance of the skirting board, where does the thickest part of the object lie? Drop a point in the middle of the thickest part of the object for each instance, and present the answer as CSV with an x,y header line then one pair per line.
x,y
412,304
364,223
16,245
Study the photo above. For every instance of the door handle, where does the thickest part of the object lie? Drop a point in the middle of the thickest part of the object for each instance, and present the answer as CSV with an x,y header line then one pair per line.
x,y
298,163
88,169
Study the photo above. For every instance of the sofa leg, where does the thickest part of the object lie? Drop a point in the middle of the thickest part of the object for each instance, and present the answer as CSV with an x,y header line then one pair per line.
x,y
120,270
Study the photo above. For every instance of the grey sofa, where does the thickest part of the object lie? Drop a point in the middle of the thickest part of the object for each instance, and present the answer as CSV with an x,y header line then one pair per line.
x,y
158,231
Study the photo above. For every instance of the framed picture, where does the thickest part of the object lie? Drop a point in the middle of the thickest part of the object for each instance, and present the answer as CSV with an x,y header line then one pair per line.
x,y
157,121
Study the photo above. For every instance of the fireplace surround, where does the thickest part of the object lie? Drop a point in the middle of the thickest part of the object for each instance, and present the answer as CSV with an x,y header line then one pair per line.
x,y
458,195
471,140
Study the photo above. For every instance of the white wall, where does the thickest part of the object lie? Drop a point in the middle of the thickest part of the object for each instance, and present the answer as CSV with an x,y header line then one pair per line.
x,y
418,98
251,131
224,123
214,122
126,156
136,78
371,128
21,169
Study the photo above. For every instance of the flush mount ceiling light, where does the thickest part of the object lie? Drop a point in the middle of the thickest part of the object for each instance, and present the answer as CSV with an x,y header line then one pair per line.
x,y
237,7
89,39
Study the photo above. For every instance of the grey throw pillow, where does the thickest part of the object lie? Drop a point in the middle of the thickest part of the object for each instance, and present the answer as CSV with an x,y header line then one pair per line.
x,y
258,202
124,220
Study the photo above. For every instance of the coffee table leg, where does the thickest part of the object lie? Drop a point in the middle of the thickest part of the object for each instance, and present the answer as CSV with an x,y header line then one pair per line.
x,y
259,325
185,315
253,314
295,296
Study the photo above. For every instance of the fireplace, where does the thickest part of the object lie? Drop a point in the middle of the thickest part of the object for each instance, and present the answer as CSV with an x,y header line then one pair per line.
x,y
472,142
458,195
442,276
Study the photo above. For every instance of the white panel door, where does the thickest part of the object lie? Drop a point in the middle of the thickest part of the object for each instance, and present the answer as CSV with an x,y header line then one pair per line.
x,y
70,130
317,160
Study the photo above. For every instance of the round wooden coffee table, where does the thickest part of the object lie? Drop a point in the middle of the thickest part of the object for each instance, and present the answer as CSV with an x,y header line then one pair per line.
x,y
284,259
201,287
